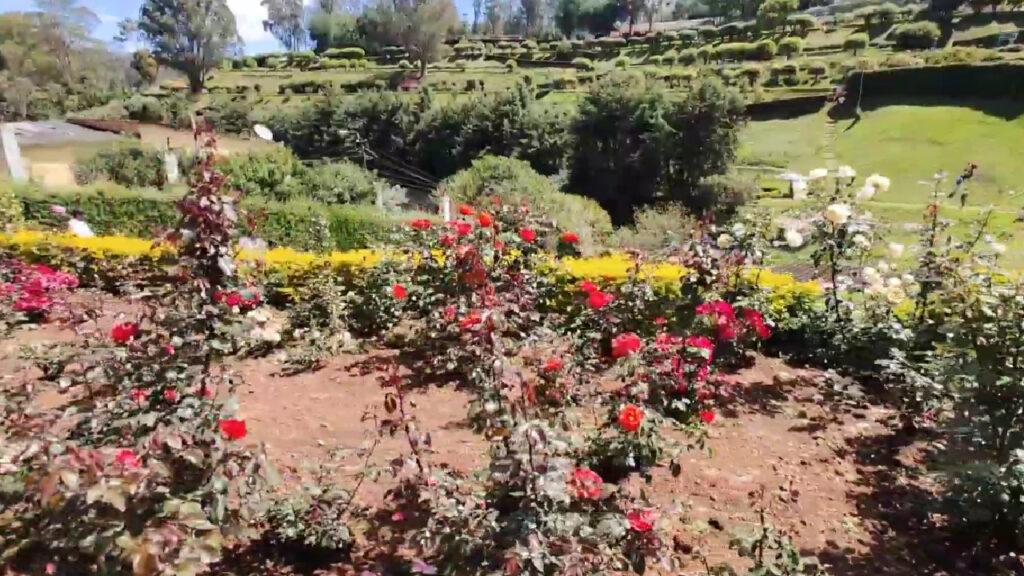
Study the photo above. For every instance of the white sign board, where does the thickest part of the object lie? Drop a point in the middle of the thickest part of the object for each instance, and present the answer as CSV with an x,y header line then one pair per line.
x,y
12,153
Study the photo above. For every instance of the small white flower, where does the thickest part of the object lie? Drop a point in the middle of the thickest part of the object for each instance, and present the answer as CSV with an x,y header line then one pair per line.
x,y
838,214
860,241
794,239
866,192
725,241
896,250
799,189
845,172
738,229
895,294
883,266
908,279
894,282
872,278
817,174
998,248
878,182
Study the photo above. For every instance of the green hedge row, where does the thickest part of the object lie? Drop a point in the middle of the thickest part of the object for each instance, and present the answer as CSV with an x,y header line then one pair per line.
x,y
1002,80
299,224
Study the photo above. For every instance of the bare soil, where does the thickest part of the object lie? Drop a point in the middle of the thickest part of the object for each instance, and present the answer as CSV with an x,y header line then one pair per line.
x,y
833,472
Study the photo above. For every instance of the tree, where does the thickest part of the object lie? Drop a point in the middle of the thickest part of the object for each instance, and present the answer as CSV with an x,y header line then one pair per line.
x,y
791,46
773,13
568,16
478,10
531,15
420,26
855,42
285,22
599,16
633,9
18,93
146,65
334,30
494,13
191,36
66,29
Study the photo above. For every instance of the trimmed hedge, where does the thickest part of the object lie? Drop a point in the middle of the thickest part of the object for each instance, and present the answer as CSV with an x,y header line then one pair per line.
x,y
114,210
1001,80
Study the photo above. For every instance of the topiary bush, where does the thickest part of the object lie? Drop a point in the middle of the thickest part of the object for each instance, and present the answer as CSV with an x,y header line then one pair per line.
x,y
272,174
855,42
583,64
791,46
132,166
916,35
404,65
340,183
621,62
144,109
802,24
344,53
511,66
515,182
763,50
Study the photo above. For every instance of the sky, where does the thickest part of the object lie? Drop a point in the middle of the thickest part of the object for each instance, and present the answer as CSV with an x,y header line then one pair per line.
x,y
249,15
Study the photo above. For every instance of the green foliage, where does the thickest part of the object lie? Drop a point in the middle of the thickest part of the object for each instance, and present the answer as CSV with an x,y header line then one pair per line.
x,y
419,27
271,174
773,13
621,63
10,210
132,166
511,66
145,65
855,42
144,109
956,80
802,24
199,35
404,65
340,183
657,227
515,182
350,53
916,35
764,50
634,145
249,63
583,64
230,117
334,30
791,46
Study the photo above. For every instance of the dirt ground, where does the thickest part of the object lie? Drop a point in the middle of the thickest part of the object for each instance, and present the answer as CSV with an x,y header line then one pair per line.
x,y
834,473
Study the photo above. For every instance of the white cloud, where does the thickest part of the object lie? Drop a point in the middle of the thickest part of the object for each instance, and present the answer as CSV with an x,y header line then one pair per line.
x,y
249,17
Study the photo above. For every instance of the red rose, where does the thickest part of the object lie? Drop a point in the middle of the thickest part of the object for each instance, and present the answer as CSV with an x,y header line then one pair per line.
x,y
449,312
233,299
463,228
625,344
398,515
726,332
470,320
466,210
124,332
171,395
755,320
716,308
32,302
587,286
447,240
420,224
642,520
233,429
527,234
586,483
485,219
399,292
660,321
707,416
598,299
169,349
630,417
570,237
553,365
665,341
138,395
127,458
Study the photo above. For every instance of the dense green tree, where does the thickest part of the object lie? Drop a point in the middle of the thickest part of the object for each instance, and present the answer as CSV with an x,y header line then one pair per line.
x,y
773,13
568,16
419,26
66,30
191,36
146,65
599,16
334,30
286,21
633,145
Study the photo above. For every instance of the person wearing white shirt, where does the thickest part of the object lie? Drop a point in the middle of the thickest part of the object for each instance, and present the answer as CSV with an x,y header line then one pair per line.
x,y
78,226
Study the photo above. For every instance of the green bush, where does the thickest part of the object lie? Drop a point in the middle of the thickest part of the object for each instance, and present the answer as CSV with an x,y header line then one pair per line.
x,y
583,64
791,46
855,42
735,50
621,62
655,60
144,109
115,210
511,66
344,53
132,166
688,57
1003,81
901,60
514,181
763,50
802,24
404,65
231,117
10,209
670,56
272,174
687,37
817,68
657,227
340,183
916,35
249,63
722,194
960,55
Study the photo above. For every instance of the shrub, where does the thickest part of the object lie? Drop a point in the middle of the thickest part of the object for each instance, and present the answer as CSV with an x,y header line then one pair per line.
x,y
144,109
563,50
621,62
901,60
735,50
10,209
956,81
791,46
230,118
125,165
404,65
688,57
688,37
249,63
707,33
657,227
270,174
670,57
655,60
722,194
916,35
704,53
511,66
752,73
583,64
817,68
515,182
960,55
855,42
340,183
763,50
802,24
344,53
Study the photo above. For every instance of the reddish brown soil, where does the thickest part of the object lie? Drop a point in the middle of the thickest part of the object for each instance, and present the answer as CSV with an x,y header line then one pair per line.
x,y
834,475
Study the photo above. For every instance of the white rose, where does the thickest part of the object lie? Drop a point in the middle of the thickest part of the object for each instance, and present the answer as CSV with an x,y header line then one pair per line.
x,y
838,214
871,277
725,241
866,192
817,174
883,266
894,282
799,189
845,172
738,229
861,242
794,239
895,294
879,183
908,279
896,250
